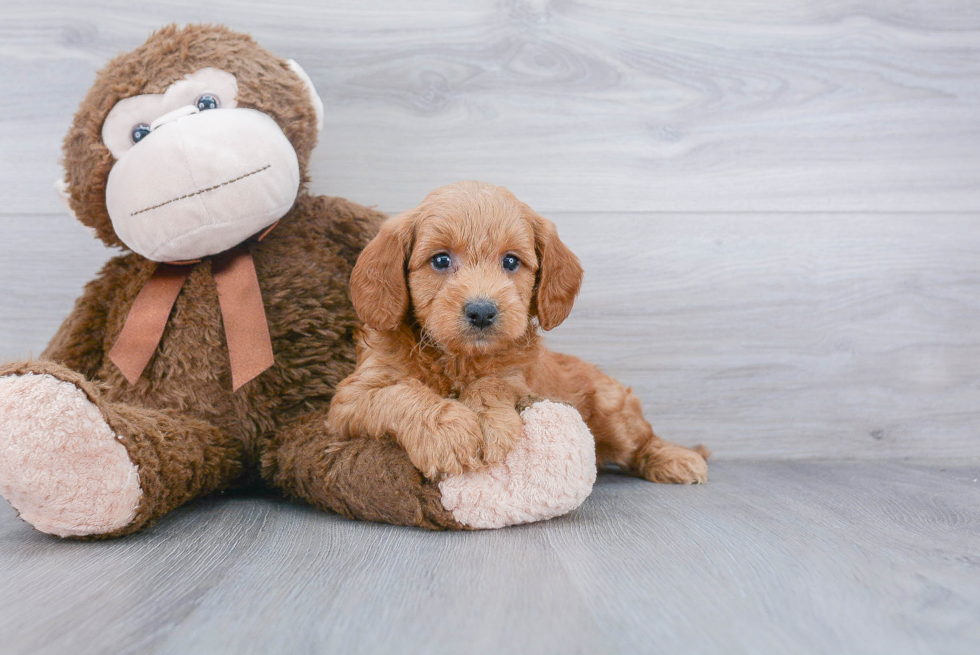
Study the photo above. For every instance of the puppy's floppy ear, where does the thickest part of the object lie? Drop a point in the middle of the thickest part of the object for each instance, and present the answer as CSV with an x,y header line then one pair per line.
x,y
559,274
378,287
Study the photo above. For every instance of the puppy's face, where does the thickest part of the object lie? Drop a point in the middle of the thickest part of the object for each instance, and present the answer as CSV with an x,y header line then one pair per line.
x,y
474,263
472,271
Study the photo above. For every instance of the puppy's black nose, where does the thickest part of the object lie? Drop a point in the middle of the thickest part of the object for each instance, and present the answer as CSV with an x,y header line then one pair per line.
x,y
481,313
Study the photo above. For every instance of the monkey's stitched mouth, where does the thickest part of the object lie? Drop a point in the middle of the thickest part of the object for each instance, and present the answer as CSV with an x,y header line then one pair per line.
x,y
199,192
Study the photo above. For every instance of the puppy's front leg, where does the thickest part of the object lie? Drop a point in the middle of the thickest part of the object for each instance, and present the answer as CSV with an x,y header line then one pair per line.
x,y
495,399
441,436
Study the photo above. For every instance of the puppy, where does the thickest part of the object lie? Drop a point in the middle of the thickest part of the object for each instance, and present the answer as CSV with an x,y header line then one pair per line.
x,y
452,294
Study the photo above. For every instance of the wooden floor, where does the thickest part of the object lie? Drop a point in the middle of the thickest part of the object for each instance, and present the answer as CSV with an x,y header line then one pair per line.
x,y
776,202
777,207
790,557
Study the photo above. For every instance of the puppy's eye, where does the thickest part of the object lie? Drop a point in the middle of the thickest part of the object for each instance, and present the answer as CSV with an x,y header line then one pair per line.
x,y
442,261
511,263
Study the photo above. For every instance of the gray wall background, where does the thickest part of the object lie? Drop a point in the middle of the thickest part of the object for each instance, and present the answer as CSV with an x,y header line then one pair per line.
x,y
776,202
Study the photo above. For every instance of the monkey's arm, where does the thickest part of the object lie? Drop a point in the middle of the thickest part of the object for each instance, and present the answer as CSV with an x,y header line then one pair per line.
x,y
79,344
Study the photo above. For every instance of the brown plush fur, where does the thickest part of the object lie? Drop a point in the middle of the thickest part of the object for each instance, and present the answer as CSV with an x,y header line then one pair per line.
x,y
182,425
448,391
264,83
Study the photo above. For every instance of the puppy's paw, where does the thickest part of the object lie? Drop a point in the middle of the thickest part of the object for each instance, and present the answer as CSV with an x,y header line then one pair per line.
x,y
675,465
452,445
501,430
526,401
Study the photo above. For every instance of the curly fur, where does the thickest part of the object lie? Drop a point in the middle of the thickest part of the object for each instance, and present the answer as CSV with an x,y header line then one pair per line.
x,y
448,391
181,424
265,82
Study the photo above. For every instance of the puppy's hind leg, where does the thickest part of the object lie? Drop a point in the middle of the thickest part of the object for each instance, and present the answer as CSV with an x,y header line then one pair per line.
x,y
624,437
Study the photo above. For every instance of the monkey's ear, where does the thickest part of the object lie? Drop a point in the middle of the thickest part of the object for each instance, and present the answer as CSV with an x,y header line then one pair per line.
x,y
378,287
61,188
311,90
559,274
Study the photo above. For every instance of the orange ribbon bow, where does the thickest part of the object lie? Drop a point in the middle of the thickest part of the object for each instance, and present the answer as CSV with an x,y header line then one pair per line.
x,y
242,312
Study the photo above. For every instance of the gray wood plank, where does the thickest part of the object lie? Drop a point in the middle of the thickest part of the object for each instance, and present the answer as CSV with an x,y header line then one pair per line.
x,y
856,105
477,593
773,335
785,558
787,335
769,557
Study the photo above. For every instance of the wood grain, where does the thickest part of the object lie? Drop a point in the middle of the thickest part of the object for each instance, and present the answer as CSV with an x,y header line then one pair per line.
x,y
766,558
855,105
744,319
778,211
788,335
760,335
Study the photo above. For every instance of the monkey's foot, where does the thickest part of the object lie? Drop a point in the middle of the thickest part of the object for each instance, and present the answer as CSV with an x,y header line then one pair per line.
x,y
61,465
548,473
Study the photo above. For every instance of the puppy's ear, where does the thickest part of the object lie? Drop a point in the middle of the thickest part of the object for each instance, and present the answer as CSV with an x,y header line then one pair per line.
x,y
559,274
378,287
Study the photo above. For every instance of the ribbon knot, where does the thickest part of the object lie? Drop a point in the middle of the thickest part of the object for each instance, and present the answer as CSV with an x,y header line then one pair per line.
x,y
242,312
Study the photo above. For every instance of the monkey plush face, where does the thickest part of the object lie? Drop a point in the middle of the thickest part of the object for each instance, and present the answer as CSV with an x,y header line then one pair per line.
x,y
195,174
202,140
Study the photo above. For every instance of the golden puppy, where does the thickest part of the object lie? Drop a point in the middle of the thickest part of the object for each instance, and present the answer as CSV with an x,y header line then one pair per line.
x,y
451,294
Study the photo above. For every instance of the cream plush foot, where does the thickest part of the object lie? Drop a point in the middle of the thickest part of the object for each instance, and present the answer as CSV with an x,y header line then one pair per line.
x,y
61,465
549,473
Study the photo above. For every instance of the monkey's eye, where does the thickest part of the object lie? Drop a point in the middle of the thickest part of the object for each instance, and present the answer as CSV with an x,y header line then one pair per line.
x,y
511,263
207,101
139,132
442,261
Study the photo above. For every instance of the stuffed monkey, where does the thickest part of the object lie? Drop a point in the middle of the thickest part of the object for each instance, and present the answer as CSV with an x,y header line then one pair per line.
x,y
205,355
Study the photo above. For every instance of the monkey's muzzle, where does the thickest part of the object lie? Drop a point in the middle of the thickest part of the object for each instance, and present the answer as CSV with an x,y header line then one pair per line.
x,y
202,183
